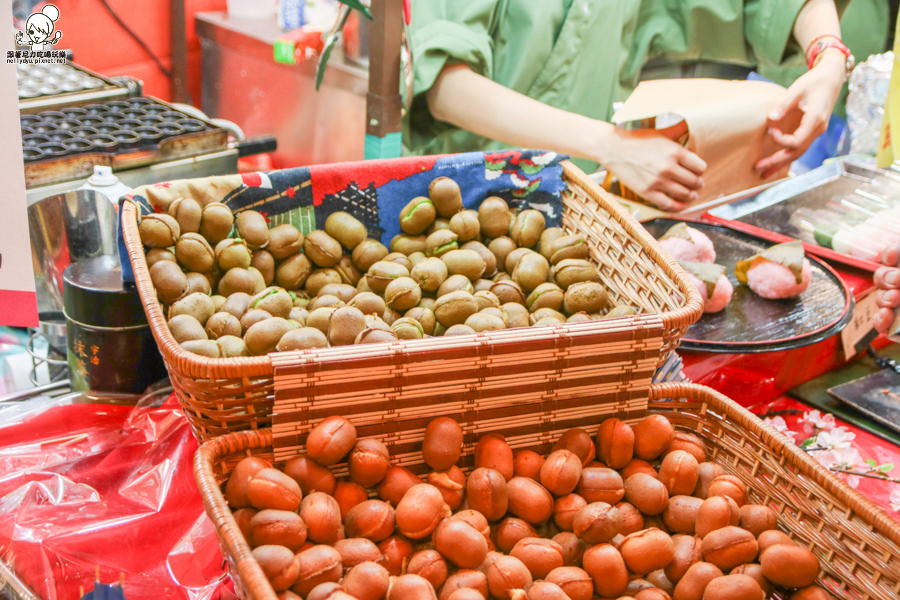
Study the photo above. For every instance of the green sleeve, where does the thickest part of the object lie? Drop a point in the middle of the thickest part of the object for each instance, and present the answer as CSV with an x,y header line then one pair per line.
x,y
445,31
768,29
451,31
864,27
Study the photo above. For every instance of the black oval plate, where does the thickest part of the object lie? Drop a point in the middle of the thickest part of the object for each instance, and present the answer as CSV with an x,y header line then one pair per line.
x,y
751,323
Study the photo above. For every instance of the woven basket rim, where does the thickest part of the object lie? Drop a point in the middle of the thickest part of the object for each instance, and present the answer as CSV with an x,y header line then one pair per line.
x,y
692,309
195,365
795,457
174,355
229,534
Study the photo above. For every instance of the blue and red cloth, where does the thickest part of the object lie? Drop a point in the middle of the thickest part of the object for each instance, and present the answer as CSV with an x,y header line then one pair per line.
x,y
374,191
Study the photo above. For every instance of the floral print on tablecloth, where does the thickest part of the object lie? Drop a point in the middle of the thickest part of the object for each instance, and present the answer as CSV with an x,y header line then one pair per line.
x,y
836,447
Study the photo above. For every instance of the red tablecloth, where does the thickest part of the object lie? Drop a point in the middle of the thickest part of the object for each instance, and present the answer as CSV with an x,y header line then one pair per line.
x,y
843,444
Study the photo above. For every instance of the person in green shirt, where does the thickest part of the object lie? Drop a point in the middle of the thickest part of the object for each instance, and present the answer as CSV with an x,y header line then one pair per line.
x,y
545,74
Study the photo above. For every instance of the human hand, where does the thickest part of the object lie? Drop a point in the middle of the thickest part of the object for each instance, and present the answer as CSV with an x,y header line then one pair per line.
x,y
887,280
813,94
661,171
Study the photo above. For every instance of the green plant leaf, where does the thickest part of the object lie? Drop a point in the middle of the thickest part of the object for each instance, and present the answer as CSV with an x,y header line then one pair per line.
x,y
788,254
358,6
708,273
330,41
871,463
808,442
886,468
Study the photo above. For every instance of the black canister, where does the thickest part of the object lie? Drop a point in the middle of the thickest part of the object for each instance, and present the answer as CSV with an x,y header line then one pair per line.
x,y
110,346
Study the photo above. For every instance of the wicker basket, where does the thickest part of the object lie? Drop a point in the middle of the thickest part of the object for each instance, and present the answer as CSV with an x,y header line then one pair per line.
x,y
857,543
220,396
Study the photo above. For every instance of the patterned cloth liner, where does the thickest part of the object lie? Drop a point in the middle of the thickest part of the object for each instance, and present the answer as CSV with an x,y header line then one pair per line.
x,y
374,191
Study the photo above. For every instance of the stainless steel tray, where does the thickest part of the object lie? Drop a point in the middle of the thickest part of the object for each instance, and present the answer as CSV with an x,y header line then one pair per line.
x,y
771,210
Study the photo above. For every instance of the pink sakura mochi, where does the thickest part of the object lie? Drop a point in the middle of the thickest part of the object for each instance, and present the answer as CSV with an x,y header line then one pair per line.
x,y
775,281
721,294
698,249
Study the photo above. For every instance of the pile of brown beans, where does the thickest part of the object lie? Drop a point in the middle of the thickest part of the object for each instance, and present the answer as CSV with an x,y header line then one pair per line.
x,y
231,286
633,513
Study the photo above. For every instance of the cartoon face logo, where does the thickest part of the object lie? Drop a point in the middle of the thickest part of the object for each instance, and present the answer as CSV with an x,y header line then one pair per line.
x,y
39,29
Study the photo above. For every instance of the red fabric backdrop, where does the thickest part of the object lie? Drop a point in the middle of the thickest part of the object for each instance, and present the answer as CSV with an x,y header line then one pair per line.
x,y
99,43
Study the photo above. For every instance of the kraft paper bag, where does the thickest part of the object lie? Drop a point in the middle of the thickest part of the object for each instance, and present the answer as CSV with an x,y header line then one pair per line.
x,y
723,121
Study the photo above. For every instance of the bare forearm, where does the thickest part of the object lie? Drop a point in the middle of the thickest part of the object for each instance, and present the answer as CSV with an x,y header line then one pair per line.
x,y
817,17
661,171
470,101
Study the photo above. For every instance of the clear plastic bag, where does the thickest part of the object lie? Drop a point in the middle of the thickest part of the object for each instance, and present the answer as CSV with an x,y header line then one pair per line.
x,y
87,488
868,86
